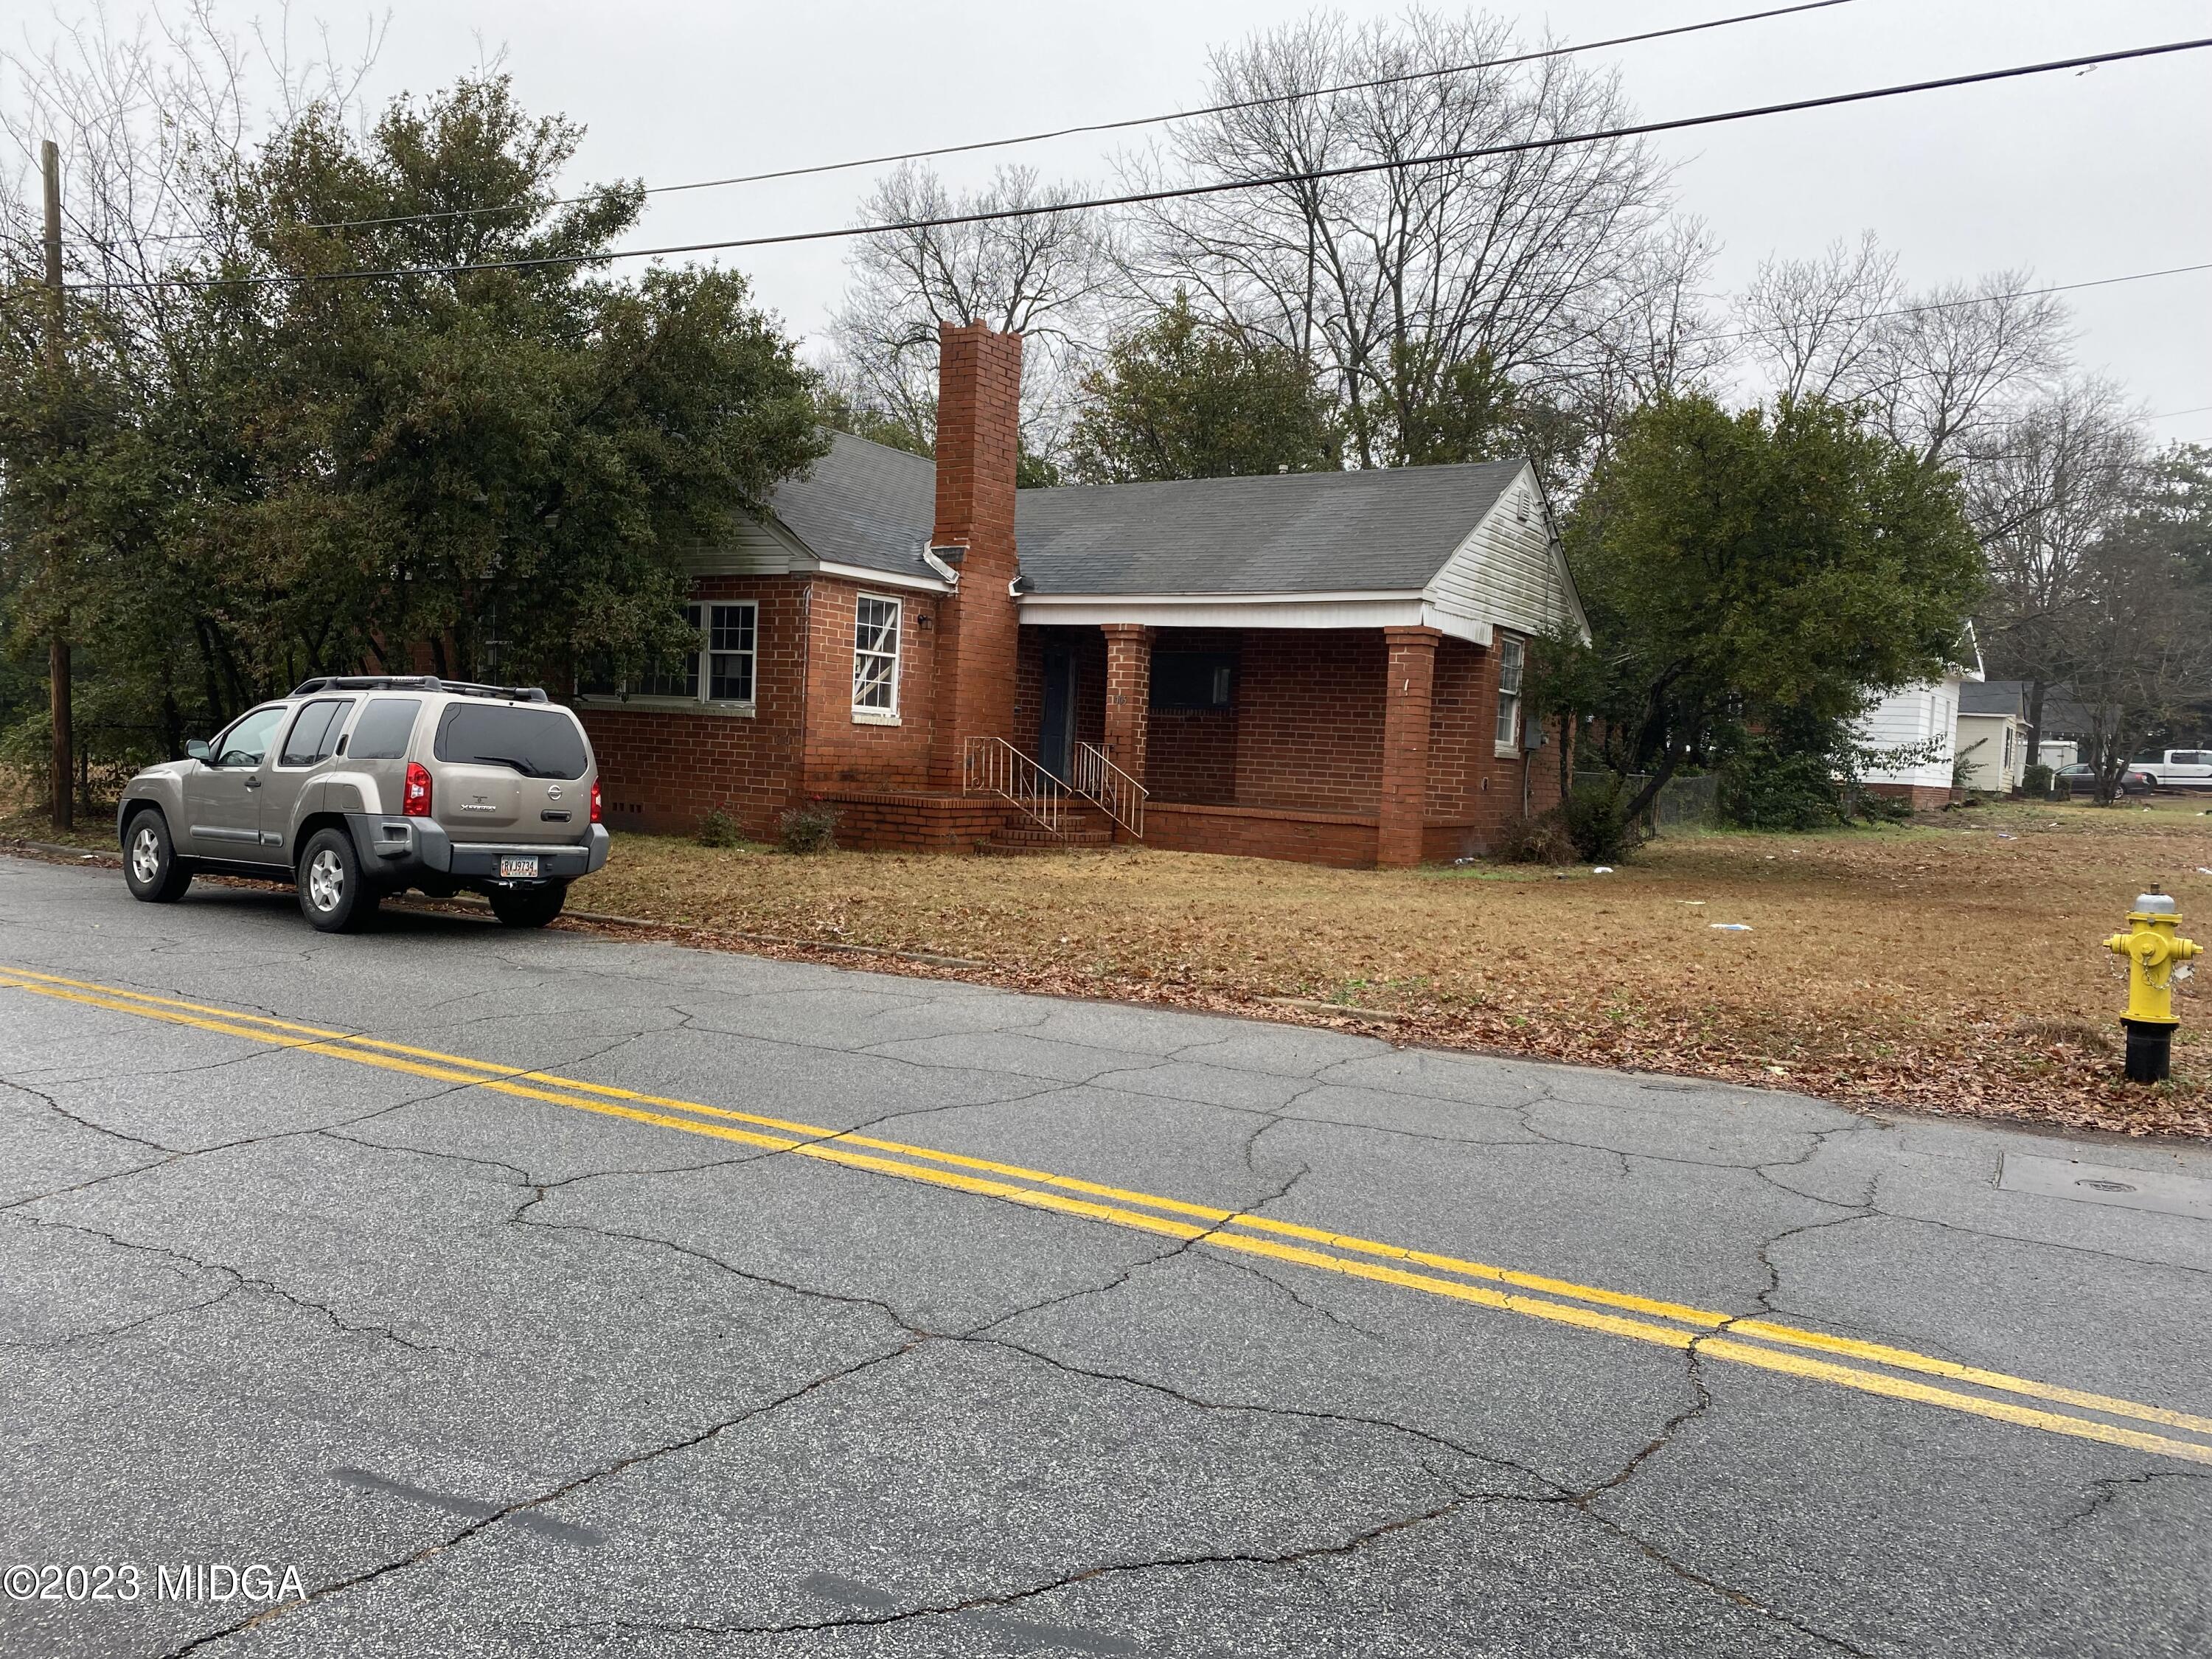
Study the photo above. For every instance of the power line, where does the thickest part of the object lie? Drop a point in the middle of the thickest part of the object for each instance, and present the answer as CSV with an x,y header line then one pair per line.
x,y
1954,305
2175,414
1104,126
1178,193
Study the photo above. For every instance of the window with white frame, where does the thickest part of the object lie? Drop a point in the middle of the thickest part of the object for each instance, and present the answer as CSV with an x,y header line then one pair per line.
x,y
875,656
732,632
719,670
1511,654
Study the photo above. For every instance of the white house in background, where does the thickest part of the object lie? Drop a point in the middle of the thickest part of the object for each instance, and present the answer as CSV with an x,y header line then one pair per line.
x,y
1992,738
1914,716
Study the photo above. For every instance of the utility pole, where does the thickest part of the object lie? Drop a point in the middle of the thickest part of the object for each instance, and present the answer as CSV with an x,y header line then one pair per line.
x,y
58,658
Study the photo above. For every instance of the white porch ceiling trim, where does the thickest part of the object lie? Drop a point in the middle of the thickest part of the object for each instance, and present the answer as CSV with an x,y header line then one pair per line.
x,y
1408,608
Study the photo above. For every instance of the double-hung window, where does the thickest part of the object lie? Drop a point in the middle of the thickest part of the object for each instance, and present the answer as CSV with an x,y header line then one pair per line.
x,y
875,658
1512,653
732,630
718,671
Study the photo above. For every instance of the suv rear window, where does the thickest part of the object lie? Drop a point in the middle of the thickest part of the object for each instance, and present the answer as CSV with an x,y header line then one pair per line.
x,y
536,742
384,727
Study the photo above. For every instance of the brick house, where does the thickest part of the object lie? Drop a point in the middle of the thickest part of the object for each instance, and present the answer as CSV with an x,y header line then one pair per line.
x,y
1320,666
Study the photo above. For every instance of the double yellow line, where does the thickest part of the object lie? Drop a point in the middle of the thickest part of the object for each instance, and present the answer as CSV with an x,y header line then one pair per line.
x,y
1766,1345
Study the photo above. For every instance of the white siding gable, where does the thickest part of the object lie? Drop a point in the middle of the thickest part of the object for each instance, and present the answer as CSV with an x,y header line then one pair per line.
x,y
1510,571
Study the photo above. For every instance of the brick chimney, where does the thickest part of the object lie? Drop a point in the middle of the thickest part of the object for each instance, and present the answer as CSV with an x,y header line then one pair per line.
x,y
979,392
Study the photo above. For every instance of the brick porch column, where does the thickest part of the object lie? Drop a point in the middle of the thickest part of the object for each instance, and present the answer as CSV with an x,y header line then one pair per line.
x,y
1406,697
1128,694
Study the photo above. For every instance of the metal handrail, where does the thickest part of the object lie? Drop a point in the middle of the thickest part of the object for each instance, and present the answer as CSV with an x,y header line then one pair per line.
x,y
1119,796
992,766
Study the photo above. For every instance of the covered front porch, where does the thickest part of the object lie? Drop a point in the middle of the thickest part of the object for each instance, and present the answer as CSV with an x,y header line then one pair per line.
x,y
1355,746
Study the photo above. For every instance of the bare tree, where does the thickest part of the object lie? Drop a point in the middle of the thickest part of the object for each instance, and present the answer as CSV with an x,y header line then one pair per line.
x,y
144,114
1936,370
1395,281
2044,493
1041,276
1663,339
1816,326
2141,643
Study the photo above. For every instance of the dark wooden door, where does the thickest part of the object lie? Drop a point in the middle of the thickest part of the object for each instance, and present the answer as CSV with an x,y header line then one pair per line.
x,y
1056,735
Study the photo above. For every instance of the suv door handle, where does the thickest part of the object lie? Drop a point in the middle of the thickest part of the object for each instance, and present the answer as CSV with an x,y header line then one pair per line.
x,y
254,783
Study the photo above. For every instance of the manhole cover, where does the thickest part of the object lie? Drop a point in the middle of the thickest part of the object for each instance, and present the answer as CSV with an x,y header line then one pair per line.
x,y
2169,1194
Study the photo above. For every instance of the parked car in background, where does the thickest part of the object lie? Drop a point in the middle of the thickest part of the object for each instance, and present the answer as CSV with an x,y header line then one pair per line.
x,y
2080,779
2177,769
356,787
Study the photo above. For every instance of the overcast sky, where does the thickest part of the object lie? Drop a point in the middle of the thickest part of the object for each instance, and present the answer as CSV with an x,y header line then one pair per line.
x,y
2071,176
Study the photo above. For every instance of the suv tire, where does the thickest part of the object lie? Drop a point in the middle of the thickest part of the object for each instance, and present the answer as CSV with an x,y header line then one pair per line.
x,y
529,907
151,865
333,895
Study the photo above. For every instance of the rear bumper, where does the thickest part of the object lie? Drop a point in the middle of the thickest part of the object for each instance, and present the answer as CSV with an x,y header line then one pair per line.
x,y
405,847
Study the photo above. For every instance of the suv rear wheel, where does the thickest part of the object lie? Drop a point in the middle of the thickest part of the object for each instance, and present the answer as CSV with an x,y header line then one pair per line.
x,y
528,907
149,860
333,896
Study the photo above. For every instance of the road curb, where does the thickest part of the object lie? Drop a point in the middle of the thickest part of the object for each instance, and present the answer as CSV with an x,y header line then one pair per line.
x,y
606,918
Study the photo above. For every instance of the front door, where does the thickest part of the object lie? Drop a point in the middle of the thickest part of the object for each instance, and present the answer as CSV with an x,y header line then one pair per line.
x,y
222,796
1056,737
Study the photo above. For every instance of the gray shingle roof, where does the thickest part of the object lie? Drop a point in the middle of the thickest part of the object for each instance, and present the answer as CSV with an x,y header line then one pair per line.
x,y
1993,697
1299,532
863,504
868,505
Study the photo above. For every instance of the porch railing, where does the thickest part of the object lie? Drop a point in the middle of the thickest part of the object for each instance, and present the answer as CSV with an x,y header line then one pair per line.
x,y
992,766
1119,796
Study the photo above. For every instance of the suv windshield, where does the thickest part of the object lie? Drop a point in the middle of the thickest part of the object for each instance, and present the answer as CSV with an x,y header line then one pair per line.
x,y
538,743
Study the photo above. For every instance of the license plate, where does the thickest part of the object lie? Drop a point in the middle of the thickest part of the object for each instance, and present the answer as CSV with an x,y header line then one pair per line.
x,y
509,869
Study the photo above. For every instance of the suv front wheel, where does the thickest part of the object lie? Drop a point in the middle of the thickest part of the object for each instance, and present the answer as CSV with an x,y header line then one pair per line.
x,y
333,896
528,907
149,860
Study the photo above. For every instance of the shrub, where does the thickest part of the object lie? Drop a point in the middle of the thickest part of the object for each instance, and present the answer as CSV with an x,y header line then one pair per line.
x,y
808,829
1589,826
2035,781
1540,839
1765,787
1596,822
719,828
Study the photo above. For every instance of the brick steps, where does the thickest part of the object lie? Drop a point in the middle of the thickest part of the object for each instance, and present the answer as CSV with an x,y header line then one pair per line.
x,y
1079,832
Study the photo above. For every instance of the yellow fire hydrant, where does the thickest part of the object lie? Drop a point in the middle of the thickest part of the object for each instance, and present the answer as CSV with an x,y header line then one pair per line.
x,y
2154,950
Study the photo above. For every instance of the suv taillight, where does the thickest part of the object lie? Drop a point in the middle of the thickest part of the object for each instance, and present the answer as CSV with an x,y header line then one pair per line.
x,y
416,804
595,800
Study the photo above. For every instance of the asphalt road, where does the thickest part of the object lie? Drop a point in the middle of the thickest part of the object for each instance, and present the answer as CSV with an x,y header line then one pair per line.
x,y
1111,1331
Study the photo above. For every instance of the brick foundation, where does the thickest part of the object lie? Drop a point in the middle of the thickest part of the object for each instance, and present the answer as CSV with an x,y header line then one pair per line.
x,y
911,820
1346,839
1920,797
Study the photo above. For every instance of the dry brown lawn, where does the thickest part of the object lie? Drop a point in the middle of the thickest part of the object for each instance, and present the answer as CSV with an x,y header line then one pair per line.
x,y
1954,968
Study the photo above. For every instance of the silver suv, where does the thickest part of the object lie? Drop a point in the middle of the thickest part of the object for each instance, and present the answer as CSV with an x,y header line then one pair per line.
x,y
358,788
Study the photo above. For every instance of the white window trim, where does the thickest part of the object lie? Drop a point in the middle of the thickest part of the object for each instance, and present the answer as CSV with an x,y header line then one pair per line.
x,y
870,715
704,703
1499,747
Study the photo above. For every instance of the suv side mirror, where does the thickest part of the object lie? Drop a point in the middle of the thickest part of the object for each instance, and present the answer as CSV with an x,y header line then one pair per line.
x,y
196,749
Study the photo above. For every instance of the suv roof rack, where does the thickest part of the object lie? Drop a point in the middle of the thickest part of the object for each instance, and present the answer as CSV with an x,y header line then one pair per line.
x,y
418,682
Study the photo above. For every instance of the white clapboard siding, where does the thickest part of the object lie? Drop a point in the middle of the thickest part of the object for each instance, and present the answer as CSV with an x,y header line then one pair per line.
x,y
1914,715
1509,572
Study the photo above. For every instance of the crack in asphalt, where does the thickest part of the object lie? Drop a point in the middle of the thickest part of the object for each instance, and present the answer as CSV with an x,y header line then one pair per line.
x,y
2105,1492
567,1488
997,1599
82,1122
244,1280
